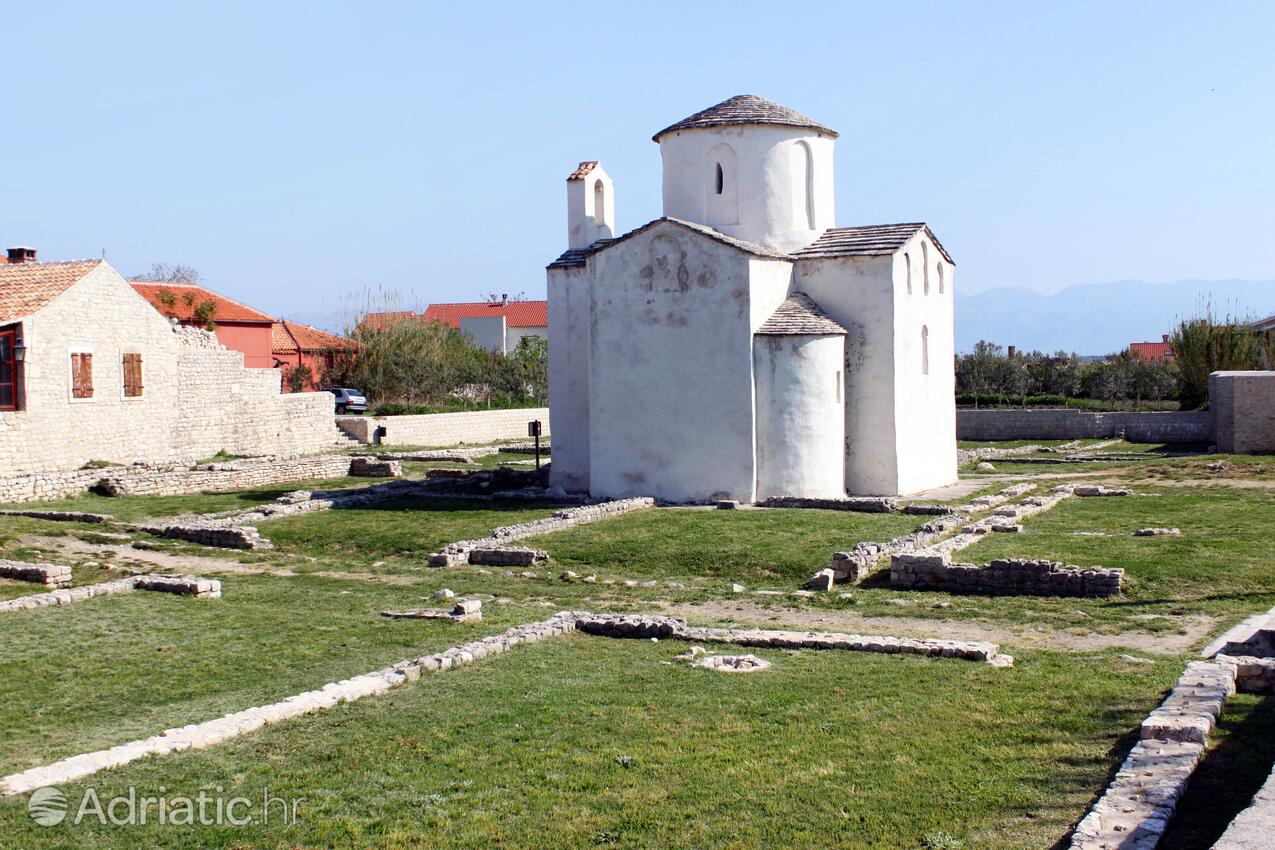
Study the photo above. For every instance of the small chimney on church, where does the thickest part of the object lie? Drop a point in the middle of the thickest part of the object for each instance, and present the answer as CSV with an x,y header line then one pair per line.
x,y
21,254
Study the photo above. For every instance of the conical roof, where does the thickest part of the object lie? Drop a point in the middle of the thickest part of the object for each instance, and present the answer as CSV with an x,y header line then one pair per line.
x,y
746,109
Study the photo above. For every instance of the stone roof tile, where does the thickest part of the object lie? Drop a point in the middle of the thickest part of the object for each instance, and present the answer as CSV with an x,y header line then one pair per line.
x,y
746,109
798,315
870,240
577,256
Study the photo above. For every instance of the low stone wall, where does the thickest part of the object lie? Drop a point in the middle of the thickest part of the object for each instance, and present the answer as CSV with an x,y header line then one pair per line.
x,y
1243,408
1006,577
49,575
200,588
222,536
61,516
67,596
445,429
1066,424
862,504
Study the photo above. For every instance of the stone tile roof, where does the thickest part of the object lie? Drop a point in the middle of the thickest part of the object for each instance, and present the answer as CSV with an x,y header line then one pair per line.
x,y
871,240
577,257
26,288
799,315
746,109
287,337
582,170
228,310
518,314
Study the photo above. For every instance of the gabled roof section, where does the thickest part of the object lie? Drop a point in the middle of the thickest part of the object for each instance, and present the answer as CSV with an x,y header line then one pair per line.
x,y
871,240
518,314
26,288
746,109
288,337
578,256
799,315
228,310
1267,324
582,170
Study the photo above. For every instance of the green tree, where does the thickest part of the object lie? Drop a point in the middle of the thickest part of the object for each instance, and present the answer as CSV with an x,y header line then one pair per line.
x,y
1202,345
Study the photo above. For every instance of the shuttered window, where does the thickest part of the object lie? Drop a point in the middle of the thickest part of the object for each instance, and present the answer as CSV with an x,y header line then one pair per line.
x,y
8,370
81,375
132,375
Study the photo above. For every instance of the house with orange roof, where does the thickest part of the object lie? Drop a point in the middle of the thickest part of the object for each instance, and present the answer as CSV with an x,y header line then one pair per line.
x,y
237,326
296,346
494,325
91,372
1145,351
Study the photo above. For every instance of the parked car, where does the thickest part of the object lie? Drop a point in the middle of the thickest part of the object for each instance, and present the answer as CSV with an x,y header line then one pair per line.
x,y
349,401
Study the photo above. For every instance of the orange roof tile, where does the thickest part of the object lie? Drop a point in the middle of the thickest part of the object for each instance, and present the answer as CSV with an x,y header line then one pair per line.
x,y
518,314
26,288
286,337
1151,350
583,169
228,310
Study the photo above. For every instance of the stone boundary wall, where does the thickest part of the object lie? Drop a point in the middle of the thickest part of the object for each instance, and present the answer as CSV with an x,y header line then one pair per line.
x,y
1003,577
1243,406
200,588
144,480
1136,807
1066,424
445,429
49,575
458,553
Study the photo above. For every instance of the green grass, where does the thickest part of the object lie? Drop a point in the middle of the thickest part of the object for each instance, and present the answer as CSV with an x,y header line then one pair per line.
x,y
404,528
770,545
587,742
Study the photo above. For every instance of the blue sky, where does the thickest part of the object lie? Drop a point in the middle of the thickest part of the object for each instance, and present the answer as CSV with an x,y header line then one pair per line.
x,y
298,152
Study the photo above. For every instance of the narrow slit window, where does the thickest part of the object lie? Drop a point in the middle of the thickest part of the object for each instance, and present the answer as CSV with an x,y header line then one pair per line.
x,y
925,267
940,271
907,271
925,350
599,203
838,385
720,184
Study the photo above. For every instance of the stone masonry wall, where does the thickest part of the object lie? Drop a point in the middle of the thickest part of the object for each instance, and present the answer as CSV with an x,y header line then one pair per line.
x,y
1062,424
197,397
1002,577
446,429
1243,409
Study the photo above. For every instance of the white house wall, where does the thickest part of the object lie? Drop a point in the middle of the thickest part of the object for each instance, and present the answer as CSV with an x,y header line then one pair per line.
x,y
800,416
671,383
568,336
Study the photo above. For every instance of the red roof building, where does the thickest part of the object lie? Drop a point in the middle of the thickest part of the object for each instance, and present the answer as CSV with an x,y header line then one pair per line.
x,y
495,325
294,344
1151,350
238,326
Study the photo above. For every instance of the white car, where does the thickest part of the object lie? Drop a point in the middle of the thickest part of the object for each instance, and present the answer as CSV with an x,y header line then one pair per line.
x,y
349,401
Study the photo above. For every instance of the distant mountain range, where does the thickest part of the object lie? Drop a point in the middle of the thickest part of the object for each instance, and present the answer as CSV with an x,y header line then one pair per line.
x,y
1089,318
1100,318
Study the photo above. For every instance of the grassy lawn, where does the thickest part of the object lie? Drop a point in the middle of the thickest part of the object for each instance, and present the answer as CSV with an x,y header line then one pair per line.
x,y
404,528
105,671
770,545
587,742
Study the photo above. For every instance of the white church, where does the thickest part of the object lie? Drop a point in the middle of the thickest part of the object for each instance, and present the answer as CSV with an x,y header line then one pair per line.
x,y
742,346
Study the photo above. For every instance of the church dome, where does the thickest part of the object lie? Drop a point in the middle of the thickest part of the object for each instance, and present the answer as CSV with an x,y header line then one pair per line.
x,y
747,109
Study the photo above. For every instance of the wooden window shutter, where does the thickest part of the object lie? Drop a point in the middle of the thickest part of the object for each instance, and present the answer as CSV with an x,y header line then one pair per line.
x,y
81,375
132,375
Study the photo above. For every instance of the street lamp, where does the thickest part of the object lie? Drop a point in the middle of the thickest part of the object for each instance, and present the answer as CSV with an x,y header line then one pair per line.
x,y
19,351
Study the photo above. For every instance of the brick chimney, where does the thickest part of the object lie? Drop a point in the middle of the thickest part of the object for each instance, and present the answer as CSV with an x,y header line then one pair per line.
x,y
21,254
1165,337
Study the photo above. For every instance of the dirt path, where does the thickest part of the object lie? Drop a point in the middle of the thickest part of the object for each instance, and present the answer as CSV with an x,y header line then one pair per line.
x,y
1196,627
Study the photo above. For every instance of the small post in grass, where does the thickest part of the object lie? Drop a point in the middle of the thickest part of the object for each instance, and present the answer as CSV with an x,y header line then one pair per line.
x,y
533,430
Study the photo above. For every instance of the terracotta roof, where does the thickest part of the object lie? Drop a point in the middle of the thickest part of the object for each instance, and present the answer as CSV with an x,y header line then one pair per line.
x,y
380,321
872,240
578,256
228,310
287,337
799,315
582,170
518,314
746,109
25,288
1151,350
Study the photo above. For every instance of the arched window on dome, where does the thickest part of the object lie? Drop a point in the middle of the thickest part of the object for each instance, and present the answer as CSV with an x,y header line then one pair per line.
x,y
721,192
925,267
803,186
925,349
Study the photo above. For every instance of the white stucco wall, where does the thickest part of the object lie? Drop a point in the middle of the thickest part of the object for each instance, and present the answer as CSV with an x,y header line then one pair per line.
x,y
670,371
587,219
764,187
568,335
858,293
925,402
800,416
485,332
514,334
